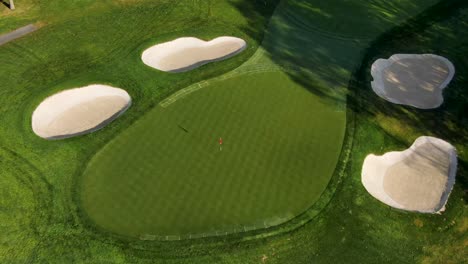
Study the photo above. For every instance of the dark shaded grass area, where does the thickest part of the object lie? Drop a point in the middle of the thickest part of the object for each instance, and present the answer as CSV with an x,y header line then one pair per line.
x,y
356,228
449,121
321,42
372,232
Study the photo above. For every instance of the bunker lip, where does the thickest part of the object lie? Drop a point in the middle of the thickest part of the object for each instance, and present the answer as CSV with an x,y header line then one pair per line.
x,y
187,53
419,178
79,111
412,79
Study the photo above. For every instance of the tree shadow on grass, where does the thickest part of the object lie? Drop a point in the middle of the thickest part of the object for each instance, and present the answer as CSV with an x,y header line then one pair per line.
x,y
252,10
418,37
321,42
441,30
330,54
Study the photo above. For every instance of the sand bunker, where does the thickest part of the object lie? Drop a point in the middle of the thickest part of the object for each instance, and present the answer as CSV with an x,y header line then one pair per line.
x,y
415,80
79,111
417,179
184,54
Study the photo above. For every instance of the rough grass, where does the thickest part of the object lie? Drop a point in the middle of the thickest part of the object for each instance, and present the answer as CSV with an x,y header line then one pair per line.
x,y
39,222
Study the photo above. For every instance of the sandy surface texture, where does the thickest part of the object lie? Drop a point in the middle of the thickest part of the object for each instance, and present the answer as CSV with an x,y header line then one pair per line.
x,y
184,54
79,111
417,179
415,80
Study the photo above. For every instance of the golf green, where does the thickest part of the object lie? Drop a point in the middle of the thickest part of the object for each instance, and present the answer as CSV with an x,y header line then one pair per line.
x,y
167,175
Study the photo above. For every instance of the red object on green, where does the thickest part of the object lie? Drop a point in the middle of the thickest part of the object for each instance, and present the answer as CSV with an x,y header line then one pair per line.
x,y
220,141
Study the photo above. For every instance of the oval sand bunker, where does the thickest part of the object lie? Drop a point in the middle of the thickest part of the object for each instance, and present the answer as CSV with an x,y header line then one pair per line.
x,y
184,54
79,111
415,80
417,179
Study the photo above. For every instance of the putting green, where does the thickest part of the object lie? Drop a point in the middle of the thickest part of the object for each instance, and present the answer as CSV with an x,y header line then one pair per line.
x,y
167,176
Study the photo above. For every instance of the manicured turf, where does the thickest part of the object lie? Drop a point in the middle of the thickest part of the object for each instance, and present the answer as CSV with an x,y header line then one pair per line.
x,y
338,41
167,175
82,45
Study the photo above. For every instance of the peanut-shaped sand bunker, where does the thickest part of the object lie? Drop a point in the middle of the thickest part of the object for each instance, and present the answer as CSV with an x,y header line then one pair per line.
x,y
417,179
414,80
184,54
79,111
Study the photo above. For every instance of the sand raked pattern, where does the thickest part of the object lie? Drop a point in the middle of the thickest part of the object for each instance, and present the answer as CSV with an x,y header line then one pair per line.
x,y
79,111
187,53
417,179
411,79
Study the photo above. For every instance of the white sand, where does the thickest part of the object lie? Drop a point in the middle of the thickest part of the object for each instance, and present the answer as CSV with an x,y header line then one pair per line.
x,y
415,80
79,111
417,179
184,54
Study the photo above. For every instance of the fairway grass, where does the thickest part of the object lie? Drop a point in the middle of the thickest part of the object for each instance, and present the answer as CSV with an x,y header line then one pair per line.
x,y
326,47
167,176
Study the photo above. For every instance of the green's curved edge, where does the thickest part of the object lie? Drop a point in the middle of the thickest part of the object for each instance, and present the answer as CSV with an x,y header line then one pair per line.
x,y
298,221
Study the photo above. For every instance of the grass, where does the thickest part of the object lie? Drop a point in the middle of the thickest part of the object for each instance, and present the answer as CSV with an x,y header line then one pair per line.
x,y
39,218
96,46
56,11
280,149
